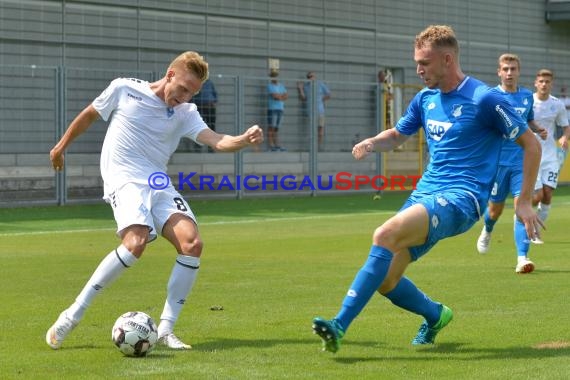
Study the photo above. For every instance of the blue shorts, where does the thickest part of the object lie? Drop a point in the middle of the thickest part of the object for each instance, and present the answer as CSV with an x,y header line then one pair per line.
x,y
449,214
507,180
274,118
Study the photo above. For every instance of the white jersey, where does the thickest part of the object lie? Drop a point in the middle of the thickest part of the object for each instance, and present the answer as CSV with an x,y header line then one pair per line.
x,y
143,132
549,114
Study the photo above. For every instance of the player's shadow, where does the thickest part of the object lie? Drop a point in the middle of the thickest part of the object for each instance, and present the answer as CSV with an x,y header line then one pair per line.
x,y
232,344
441,351
549,271
462,352
158,352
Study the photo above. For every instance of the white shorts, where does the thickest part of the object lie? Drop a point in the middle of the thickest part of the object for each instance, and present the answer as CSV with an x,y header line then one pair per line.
x,y
139,204
547,175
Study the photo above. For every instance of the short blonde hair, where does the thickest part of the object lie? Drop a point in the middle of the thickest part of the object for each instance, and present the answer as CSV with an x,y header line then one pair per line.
x,y
439,36
194,63
509,57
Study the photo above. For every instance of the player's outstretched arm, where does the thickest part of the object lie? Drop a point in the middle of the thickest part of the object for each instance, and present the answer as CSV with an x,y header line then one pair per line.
x,y
227,143
76,128
531,162
383,142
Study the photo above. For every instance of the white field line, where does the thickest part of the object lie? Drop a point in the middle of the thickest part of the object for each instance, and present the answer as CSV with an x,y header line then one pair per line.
x,y
226,222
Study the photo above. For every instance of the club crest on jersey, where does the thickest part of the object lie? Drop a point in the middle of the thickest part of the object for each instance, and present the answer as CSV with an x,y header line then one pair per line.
x,y
169,112
520,110
436,129
457,110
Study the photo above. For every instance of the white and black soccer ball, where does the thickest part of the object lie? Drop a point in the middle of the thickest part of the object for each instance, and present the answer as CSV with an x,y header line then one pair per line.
x,y
135,333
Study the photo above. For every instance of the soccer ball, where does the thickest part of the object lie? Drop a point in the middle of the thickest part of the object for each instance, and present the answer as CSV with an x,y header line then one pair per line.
x,y
135,333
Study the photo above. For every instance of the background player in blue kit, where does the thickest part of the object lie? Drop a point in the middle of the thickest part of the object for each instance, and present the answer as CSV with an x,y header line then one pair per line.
x,y
510,172
465,122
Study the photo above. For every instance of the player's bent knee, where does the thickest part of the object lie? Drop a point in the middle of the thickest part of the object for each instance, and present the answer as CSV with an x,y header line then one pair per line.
x,y
134,238
384,237
136,247
192,247
495,214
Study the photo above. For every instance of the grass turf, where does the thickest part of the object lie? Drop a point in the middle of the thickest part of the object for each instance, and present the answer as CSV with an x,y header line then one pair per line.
x,y
272,265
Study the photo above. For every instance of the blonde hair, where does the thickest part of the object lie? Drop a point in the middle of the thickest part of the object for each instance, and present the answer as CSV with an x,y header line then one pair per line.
x,y
544,73
438,36
509,57
193,62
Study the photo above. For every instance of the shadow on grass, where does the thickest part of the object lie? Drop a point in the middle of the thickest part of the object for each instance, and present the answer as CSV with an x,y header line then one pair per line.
x,y
443,351
232,344
462,352
159,352
549,271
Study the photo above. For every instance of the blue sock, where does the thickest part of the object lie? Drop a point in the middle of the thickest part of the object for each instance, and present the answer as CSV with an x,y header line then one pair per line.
x,y
365,284
521,238
407,296
489,223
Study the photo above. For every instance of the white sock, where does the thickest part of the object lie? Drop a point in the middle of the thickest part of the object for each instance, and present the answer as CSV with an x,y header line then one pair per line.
x,y
181,281
543,211
108,270
521,258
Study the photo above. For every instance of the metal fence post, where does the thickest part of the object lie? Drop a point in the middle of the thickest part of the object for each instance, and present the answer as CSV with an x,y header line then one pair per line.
x,y
380,124
59,95
239,120
314,125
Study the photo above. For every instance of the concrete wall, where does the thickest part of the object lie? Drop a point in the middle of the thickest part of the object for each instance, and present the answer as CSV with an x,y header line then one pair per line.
x,y
30,178
56,56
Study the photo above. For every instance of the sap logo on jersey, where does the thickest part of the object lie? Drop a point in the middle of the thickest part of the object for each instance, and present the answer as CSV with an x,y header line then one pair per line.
x,y
436,129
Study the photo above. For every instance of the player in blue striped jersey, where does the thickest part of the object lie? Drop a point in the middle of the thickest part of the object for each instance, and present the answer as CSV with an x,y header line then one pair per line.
x,y
510,172
465,122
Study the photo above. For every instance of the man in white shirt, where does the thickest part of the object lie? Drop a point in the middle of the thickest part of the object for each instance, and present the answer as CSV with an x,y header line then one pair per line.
x,y
147,121
549,112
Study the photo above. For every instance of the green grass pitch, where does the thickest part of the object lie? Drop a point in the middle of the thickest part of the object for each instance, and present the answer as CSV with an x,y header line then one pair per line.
x,y
271,265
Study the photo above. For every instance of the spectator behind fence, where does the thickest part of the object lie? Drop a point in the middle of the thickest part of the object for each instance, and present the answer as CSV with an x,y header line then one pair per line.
x,y
323,94
206,101
276,96
384,80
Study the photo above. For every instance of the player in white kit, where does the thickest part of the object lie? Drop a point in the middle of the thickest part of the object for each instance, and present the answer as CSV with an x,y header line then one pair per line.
x,y
549,112
146,123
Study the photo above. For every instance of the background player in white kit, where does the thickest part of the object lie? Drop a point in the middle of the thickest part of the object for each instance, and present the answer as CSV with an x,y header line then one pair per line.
x,y
147,121
549,112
